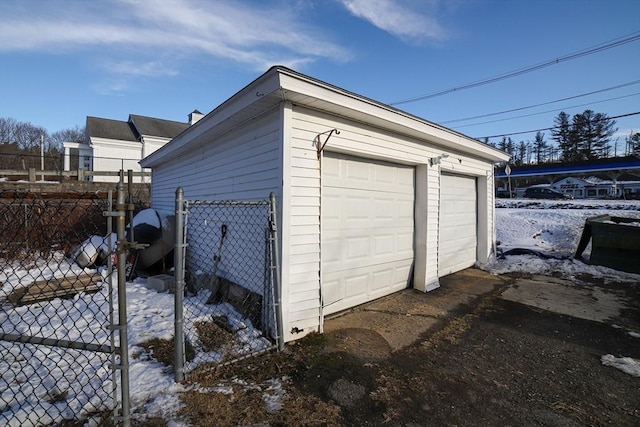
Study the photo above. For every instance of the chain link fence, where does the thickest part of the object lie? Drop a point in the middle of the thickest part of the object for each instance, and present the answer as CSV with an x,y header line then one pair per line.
x,y
56,310
230,292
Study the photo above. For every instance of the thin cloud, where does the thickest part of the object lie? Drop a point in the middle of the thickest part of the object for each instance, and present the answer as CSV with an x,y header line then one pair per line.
x,y
252,35
141,69
404,22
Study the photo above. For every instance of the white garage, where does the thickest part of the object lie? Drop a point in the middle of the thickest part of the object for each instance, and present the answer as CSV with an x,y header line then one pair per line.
x,y
371,199
458,236
367,230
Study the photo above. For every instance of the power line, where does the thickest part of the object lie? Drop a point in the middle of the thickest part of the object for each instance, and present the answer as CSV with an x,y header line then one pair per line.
x,y
595,49
547,111
551,128
541,104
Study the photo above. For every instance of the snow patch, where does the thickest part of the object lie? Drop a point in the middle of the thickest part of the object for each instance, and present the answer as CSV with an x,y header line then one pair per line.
x,y
554,228
147,216
627,365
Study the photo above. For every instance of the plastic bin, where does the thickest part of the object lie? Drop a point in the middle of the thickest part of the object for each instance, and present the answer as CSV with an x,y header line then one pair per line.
x,y
615,242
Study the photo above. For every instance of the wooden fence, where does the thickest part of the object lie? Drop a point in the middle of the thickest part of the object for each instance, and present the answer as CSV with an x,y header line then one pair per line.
x,y
33,175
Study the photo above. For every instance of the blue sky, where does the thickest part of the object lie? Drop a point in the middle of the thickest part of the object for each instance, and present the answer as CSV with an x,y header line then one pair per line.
x,y
61,61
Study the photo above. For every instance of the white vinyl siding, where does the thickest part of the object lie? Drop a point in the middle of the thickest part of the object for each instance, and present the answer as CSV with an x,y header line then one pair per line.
x,y
242,165
458,223
303,219
111,156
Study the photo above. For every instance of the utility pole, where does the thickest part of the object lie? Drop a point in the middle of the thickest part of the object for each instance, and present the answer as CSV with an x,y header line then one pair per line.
x,y
42,155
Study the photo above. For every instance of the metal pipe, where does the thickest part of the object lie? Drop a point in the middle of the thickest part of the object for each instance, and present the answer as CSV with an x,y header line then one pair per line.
x,y
122,303
276,259
112,331
178,262
130,203
54,342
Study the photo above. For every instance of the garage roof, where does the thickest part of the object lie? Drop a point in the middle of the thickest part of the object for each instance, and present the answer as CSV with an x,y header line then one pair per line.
x,y
280,84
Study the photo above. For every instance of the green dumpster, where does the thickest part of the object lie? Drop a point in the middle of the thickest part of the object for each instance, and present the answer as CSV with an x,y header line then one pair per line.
x,y
615,242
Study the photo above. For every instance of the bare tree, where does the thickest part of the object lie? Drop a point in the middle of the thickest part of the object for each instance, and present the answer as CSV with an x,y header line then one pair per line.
x,y
25,135
76,134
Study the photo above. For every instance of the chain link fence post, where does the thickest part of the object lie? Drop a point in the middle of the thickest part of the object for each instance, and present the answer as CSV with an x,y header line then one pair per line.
x,y
57,315
273,226
179,262
121,209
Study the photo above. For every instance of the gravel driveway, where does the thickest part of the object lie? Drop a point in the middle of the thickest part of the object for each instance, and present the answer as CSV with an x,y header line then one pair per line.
x,y
480,350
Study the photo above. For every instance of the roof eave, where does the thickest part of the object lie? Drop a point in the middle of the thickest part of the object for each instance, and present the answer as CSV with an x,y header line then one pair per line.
x,y
280,84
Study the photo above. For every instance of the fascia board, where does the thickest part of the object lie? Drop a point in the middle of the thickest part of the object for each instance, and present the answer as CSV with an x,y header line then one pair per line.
x,y
317,95
117,143
78,145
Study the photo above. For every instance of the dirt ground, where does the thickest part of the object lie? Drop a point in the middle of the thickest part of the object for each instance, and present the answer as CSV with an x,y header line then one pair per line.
x,y
481,350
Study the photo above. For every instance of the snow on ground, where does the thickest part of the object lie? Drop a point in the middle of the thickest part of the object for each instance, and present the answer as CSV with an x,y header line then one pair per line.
x,y
40,384
554,229
31,376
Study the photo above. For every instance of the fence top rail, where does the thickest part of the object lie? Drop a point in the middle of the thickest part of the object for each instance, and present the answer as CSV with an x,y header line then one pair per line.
x,y
24,194
70,173
227,202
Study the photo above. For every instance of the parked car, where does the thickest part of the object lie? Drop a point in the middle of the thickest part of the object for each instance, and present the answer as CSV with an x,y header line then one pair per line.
x,y
544,193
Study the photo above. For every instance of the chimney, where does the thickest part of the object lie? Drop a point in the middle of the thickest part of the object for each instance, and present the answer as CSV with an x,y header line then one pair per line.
x,y
195,116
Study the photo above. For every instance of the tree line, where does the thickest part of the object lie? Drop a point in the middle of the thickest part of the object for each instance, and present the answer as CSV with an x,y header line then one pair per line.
x,y
585,136
21,144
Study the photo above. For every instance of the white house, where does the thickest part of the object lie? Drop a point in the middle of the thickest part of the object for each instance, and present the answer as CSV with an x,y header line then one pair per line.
x,y
594,187
112,145
371,199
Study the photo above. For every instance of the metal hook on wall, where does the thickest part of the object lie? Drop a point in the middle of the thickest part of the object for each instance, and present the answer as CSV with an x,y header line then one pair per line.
x,y
317,139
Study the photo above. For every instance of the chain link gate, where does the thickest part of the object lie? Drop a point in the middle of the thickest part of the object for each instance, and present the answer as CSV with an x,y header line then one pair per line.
x,y
57,322
227,281
55,333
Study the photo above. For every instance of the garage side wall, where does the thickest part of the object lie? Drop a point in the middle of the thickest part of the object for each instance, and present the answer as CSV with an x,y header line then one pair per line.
x,y
304,182
244,164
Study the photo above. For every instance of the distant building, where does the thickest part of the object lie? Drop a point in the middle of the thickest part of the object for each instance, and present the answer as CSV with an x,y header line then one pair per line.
x,y
593,187
617,177
112,145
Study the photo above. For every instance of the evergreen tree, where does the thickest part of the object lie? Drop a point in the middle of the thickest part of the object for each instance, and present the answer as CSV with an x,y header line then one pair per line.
x,y
586,136
521,153
593,132
540,146
633,144
511,148
561,133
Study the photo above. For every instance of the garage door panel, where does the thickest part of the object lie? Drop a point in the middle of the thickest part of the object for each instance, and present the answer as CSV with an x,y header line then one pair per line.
x,y
365,208
339,266
344,250
457,239
341,290
367,236
332,290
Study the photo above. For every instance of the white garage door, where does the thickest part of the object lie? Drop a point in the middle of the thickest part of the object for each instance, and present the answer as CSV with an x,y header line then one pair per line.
x,y
367,230
458,218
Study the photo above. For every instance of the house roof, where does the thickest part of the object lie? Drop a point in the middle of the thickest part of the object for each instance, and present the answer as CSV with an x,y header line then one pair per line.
x,y
110,129
150,126
136,127
280,84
